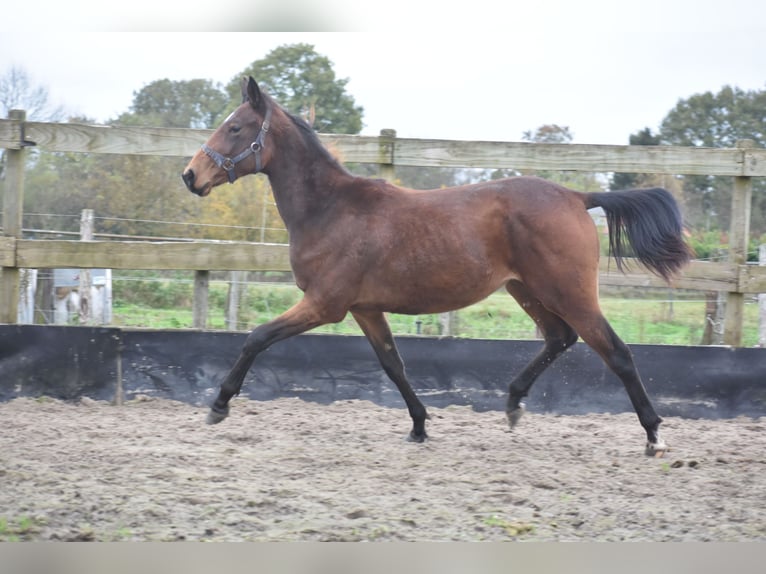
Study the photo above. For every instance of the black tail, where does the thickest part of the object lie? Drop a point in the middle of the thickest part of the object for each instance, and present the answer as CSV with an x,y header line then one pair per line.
x,y
646,224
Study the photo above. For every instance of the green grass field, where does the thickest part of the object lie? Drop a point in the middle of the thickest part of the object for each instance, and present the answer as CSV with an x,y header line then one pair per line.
x,y
637,320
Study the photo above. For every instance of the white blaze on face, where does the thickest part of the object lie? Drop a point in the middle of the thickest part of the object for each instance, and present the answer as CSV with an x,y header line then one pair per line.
x,y
231,115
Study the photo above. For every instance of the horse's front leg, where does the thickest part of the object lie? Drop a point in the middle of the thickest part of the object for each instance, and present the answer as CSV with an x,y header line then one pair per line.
x,y
378,333
298,319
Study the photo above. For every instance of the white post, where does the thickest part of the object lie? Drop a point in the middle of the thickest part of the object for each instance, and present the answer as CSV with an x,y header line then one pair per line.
x,y
28,283
84,290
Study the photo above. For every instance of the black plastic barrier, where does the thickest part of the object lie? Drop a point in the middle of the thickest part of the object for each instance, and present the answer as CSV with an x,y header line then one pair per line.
x,y
102,363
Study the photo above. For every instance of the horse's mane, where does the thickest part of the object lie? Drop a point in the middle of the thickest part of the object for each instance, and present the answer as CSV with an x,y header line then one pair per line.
x,y
311,137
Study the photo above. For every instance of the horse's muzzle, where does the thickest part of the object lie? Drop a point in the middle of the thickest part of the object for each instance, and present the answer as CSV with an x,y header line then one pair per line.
x,y
189,178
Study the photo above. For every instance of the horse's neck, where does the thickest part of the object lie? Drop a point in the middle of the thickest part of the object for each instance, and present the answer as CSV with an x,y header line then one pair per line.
x,y
303,185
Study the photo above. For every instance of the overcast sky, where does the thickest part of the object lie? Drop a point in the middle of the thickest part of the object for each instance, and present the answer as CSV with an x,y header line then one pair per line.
x,y
480,70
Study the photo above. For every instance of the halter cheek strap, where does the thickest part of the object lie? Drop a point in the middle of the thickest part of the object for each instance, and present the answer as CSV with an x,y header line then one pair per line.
x,y
228,164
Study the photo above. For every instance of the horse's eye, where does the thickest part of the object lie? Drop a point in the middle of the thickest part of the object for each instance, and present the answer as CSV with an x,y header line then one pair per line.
x,y
235,129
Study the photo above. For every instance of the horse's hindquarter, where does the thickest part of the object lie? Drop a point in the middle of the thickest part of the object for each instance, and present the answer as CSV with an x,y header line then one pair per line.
x,y
554,240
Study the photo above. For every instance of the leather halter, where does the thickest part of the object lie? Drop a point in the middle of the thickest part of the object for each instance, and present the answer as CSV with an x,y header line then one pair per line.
x,y
228,164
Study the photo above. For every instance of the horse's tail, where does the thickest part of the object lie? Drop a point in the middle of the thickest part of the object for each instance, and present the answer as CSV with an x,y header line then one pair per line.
x,y
646,224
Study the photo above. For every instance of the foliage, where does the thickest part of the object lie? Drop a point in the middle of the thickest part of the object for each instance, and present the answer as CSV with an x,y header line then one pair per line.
x,y
247,210
713,245
718,120
153,290
653,316
304,83
20,529
555,134
549,133
127,193
133,194
177,104
634,180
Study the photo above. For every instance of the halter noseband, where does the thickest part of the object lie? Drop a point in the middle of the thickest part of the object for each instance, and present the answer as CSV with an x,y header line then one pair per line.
x,y
227,164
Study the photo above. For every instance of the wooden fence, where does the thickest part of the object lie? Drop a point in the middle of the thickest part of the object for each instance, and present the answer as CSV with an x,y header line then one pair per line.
x,y
734,277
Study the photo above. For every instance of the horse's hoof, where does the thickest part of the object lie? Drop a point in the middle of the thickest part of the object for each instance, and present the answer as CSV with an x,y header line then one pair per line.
x,y
656,449
515,415
215,416
412,437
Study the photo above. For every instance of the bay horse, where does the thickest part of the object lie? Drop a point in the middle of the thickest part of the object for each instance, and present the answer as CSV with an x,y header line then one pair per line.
x,y
368,247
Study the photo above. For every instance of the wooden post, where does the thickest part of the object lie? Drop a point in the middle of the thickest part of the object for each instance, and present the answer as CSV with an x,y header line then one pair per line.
x,y
13,203
86,284
232,301
739,234
201,287
386,168
448,324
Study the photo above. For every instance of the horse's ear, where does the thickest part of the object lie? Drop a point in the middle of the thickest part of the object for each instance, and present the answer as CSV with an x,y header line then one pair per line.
x,y
250,91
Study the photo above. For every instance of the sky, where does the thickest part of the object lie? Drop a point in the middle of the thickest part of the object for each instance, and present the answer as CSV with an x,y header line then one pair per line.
x,y
479,70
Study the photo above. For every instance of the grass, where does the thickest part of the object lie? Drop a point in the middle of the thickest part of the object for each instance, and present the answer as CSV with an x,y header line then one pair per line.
x,y
19,529
512,529
651,317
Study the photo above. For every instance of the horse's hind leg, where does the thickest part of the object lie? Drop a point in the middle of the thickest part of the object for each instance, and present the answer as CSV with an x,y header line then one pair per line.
x,y
378,333
558,336
599,335
577,305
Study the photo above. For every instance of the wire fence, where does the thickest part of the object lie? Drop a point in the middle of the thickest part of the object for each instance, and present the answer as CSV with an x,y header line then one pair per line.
x,y
32,228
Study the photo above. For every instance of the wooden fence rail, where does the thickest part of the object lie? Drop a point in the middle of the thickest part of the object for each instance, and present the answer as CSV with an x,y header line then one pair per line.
x,y
734,277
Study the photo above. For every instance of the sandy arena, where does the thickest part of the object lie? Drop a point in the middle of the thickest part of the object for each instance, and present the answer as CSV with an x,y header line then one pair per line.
x,y
289,470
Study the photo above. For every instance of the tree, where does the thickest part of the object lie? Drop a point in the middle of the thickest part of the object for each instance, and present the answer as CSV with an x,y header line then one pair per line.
x,y
18,92
131,193
555,134
177,104
718,120
620,181
549,133
633,180
303,81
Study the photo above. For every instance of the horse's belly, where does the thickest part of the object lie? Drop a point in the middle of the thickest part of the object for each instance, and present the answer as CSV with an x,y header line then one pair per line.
x,y
430,293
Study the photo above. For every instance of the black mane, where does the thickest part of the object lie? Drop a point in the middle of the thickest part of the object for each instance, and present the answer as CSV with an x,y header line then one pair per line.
x,y
311,137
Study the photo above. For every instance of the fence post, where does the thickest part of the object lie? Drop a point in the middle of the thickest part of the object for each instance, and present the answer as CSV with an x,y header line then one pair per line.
x,y
85,289
201,288
13,204
236,284
386,168
739,234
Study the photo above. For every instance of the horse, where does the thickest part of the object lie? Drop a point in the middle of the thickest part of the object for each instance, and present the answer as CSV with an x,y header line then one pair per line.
x,y
367,247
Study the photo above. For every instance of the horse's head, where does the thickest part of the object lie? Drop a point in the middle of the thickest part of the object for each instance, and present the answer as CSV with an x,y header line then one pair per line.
x,y
236,148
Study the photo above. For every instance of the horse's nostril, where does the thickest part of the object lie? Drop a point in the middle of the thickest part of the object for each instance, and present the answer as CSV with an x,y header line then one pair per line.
x,y
188,177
